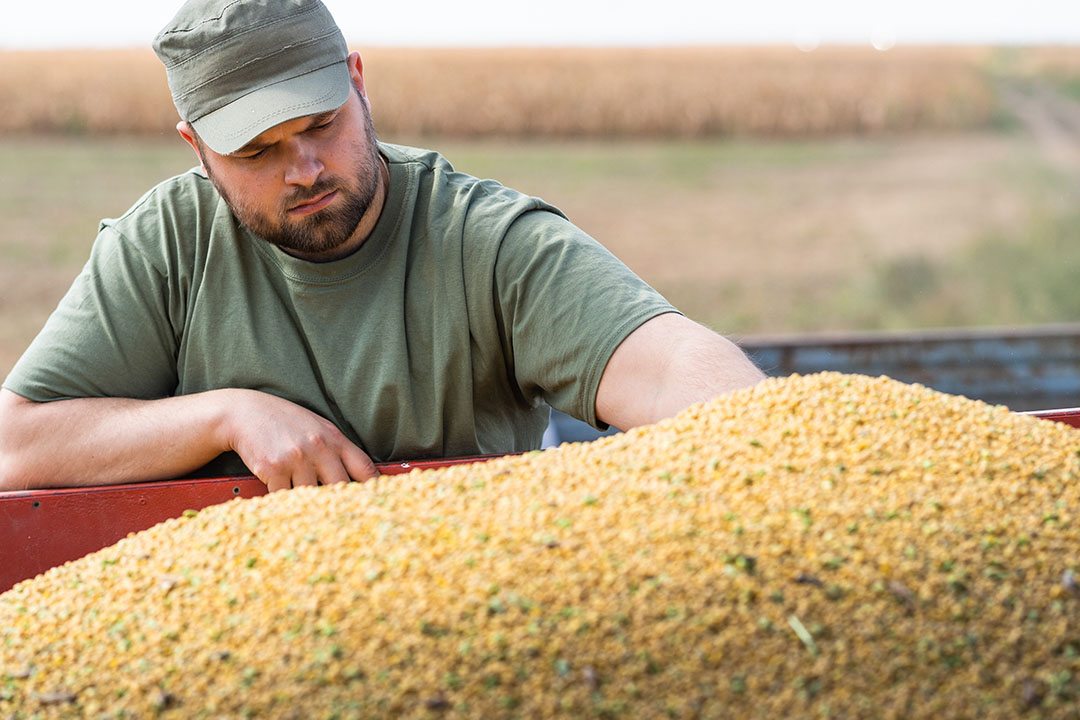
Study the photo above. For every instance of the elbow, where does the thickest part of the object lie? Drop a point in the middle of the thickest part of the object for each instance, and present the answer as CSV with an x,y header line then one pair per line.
x,y
15,473
12,475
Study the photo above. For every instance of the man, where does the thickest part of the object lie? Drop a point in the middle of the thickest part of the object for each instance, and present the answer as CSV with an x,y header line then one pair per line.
x,y
309,299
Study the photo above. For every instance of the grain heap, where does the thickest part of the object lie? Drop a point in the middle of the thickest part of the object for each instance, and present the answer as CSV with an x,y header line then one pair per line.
x,y
821,546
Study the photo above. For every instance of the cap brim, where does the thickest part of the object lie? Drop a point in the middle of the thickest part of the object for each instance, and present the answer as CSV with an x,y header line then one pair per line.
x,y
228,129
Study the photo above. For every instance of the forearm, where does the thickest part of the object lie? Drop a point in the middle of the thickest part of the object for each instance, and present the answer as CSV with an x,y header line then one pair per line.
x,y
105,441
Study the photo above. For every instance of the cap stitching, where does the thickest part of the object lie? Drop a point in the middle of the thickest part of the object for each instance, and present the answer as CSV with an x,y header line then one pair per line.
x,y
240,33
261,58
189,28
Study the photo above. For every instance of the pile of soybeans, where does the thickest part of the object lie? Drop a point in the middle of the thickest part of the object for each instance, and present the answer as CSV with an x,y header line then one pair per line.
x,y
821,546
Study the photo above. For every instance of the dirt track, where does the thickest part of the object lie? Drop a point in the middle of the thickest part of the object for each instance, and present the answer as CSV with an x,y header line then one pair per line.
x,y
1052,118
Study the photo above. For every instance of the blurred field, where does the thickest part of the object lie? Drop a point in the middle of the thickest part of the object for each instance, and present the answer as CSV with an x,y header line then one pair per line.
x,y
677,92
836,190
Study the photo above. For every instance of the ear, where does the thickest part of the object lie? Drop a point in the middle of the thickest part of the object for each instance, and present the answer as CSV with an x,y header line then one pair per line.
x,y
188,133
356,73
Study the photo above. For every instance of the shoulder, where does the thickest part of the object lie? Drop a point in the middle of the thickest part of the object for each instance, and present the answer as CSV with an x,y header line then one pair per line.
x,y
181,203
174,221
475,201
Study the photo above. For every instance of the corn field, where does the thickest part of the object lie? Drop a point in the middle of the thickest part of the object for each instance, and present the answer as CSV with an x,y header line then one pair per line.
x,y
557,93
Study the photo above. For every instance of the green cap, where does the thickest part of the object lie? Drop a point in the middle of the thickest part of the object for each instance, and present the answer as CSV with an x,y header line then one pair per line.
x,y
239,67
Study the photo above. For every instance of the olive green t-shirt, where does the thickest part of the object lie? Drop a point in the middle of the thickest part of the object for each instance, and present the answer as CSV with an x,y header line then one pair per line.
x,y
468,310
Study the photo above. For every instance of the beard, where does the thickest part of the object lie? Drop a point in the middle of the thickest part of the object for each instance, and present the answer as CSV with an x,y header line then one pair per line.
x,y
320,232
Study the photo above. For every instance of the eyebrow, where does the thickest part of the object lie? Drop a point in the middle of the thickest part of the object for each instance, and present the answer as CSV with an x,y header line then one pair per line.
x,y
255,145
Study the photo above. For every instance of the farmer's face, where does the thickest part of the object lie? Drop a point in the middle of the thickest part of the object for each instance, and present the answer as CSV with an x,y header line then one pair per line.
x,y
305,185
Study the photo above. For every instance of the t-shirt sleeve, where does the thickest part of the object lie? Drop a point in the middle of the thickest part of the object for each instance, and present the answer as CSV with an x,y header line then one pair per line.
x,y
110,336
566,303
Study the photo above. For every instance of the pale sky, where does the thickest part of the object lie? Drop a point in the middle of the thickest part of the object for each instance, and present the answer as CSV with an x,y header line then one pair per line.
x,y
426,23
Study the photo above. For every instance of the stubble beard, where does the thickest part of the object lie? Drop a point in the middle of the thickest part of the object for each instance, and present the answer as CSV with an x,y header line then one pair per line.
x,y
323,231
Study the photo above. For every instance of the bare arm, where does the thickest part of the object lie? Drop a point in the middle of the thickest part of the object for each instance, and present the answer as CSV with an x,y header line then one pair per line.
x,y
105,441
666,365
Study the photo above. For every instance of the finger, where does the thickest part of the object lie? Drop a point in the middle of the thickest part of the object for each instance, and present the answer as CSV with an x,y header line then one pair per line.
x,y
305,475
359,466
276,482
333,473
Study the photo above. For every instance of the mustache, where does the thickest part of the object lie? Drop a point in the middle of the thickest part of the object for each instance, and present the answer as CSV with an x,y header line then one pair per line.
x,y
302,196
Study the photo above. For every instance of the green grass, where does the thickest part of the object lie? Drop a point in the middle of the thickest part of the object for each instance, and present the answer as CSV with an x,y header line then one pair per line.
x,y
54,190
747,237
1000,280
1019,275
1068,84
684,164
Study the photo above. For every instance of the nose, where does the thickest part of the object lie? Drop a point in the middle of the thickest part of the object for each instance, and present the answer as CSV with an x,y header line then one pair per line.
x,y
303,166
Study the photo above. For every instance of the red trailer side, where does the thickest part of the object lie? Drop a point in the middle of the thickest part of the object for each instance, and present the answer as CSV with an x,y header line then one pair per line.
x,y
40,529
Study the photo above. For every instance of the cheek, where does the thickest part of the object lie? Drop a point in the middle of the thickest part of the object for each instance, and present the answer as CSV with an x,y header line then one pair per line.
x,y
253,190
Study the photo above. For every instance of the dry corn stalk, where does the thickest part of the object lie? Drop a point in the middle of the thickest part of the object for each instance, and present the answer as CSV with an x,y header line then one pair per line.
x,y
556,93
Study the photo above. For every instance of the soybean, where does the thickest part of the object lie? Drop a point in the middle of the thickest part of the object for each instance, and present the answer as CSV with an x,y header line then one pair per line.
x,y
817,546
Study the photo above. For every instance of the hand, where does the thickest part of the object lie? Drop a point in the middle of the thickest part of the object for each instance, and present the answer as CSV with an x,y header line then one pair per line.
x,y
286,445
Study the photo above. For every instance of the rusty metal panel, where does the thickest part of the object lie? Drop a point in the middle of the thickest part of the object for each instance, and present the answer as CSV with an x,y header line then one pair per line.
x,y
1026,368
1068,416
40,529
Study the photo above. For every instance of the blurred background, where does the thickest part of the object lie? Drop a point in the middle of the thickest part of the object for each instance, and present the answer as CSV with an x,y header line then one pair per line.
x,y
855,166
